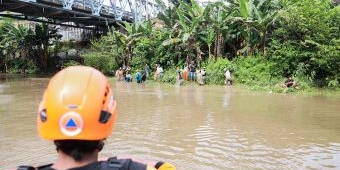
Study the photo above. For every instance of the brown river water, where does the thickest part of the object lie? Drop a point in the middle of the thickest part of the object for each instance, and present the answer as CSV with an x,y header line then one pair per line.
x,y
193,127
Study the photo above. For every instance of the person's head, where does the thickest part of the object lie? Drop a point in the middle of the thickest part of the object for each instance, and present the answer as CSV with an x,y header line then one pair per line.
x,y
77,111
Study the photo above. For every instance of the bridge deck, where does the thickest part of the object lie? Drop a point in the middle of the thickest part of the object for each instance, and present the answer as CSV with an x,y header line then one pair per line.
x,y
52,11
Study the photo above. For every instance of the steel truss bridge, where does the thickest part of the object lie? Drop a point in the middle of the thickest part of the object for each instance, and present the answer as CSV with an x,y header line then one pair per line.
x,y
81,13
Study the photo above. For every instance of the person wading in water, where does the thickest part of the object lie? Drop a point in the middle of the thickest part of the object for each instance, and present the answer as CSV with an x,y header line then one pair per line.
x,y
78,112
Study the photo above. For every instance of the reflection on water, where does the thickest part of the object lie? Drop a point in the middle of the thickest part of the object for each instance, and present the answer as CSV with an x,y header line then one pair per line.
x,y
226,96
194,127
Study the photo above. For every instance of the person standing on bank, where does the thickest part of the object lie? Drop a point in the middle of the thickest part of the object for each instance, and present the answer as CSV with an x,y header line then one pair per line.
x,y
185,72
147,70
139,77
228,81
77,113
192,72
204,74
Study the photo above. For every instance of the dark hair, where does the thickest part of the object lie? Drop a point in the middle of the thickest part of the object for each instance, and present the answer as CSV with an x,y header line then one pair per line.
x,y
78,149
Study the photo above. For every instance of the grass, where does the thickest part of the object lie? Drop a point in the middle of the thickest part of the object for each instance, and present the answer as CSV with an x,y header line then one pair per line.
x,y
269,88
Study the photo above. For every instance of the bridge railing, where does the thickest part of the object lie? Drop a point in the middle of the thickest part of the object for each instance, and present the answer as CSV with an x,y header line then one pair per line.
x,y
135,10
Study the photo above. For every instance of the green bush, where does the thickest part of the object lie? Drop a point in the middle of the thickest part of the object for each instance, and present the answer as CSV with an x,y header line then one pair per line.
x,y
169,76
215,70
301,48
21,65
254,70
101,61
71,63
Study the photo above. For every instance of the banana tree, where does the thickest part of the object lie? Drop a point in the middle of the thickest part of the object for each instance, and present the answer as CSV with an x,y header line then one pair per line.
x,y
266,13
256,16
127,40
19,38
245,16
40,41
209,37
13,40
190,19
216,17
7,44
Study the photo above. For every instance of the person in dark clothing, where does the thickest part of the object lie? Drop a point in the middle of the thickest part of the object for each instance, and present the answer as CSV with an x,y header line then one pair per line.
x,y
143,77
77,112
290,82
192,72
128,76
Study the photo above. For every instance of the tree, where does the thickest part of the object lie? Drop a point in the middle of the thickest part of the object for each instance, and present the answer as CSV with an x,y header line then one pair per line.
x,y
41,42
15,40
306,41
256,16
217,18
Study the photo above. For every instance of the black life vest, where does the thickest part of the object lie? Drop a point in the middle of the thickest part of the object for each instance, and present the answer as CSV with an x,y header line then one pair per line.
x,y
111,164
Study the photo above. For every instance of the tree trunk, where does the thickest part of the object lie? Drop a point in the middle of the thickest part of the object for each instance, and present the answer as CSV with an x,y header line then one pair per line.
x,y
6,69
43,59
264,42
218,45
215,46
198,56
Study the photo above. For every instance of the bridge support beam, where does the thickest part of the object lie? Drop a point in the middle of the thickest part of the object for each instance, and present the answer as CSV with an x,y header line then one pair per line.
x,y
67,4
141,10
118,7
96,7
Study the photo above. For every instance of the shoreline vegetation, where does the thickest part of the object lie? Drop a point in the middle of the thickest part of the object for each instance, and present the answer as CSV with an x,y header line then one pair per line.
x,y
267,89
260,42
315,91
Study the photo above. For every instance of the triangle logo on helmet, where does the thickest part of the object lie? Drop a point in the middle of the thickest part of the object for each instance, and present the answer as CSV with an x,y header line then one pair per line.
x,y
71,123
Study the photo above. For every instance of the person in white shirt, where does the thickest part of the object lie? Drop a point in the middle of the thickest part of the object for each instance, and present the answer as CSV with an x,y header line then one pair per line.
x,y
159,71
227,75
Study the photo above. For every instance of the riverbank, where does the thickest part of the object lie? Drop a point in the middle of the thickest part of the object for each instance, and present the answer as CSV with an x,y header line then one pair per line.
x,y
311,91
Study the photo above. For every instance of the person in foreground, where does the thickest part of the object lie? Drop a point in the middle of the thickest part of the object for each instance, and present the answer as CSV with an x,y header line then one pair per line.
x,y
78,112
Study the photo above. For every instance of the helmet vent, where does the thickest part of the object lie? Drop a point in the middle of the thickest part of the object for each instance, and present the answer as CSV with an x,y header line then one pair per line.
x,y
105,94
43,115
104,116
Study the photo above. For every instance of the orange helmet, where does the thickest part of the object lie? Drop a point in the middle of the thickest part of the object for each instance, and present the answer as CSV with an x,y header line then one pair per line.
x,y
77,104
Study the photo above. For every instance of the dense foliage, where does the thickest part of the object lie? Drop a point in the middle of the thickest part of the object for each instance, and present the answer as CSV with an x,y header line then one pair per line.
x,y
24,48
261,41
306,42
